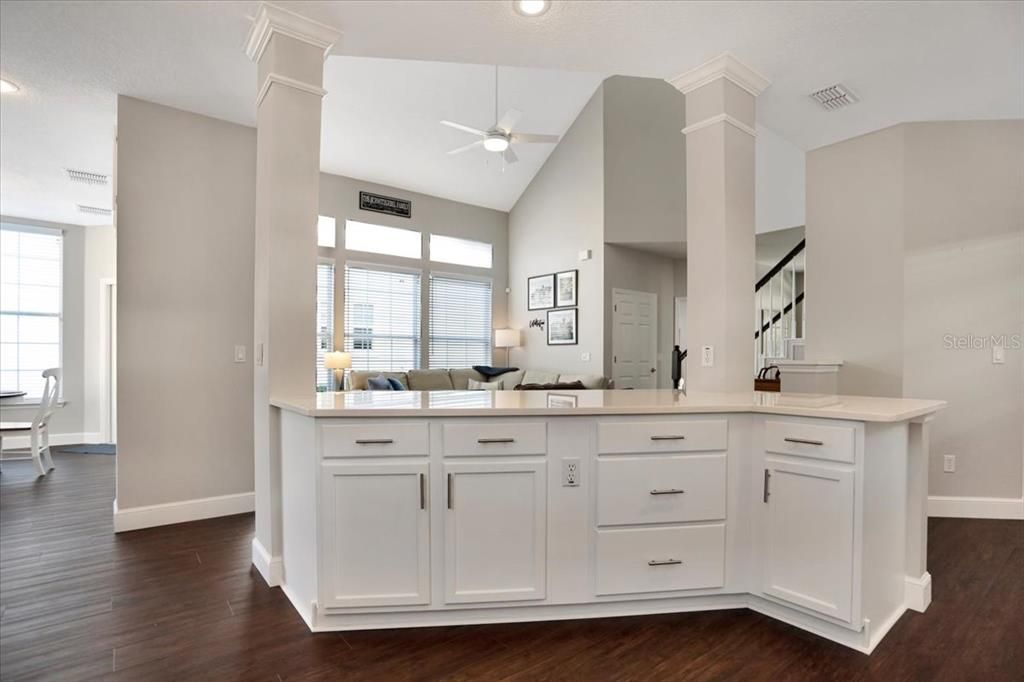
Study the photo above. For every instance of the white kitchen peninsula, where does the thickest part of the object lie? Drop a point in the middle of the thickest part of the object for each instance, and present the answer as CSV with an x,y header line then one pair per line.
x,y
403,509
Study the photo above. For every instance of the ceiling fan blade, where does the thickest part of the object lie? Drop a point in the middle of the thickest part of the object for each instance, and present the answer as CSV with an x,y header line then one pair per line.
x,y
465,129
528,138
509,155
509,120
466,148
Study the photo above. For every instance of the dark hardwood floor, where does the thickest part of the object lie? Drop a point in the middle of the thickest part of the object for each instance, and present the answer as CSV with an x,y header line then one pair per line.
x,y
182,603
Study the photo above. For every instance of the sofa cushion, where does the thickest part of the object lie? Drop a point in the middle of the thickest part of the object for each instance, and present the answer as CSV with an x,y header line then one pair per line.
x,y
357,378
537,376
590,381
475,385
556,386
379,383
461,377
430,380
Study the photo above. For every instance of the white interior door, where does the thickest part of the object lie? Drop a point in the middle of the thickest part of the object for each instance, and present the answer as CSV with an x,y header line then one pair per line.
x,y
680,320
634,339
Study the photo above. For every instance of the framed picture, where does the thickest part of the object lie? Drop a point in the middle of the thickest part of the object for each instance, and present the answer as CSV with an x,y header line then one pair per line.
x,y
561,327
565,288
540,292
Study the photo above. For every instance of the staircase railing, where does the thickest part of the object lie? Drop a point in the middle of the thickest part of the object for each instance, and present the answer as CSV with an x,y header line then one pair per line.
x,y
778,314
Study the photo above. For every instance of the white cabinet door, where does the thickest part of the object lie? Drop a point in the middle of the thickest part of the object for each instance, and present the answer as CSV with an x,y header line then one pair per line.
x,y
375,535
808,536
495,531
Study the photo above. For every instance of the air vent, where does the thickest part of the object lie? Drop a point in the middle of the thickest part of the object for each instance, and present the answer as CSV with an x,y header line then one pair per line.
x,y
87,178
94,210
834,97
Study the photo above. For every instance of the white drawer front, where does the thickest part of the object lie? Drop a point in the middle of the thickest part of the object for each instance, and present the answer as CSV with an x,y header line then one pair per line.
x,y
495,438
666,435
660,489
800,439
660,559
375,440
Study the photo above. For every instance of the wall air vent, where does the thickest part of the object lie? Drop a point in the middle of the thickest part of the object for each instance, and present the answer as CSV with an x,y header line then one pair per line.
x,y
87,178
834,97
94,210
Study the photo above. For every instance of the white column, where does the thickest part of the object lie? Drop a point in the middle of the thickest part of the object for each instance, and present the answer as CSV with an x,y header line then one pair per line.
x,y
720,274
290,51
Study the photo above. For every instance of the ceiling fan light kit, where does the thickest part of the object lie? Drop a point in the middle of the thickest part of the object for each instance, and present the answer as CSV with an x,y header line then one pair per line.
x,y
500,137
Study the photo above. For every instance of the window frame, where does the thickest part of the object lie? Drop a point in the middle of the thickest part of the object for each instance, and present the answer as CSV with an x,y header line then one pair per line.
x,y
60,233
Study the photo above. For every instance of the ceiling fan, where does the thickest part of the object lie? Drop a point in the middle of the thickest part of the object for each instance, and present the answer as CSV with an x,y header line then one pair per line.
x,y
500,137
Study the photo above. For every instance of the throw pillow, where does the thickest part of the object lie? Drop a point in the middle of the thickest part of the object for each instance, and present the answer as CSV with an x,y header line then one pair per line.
x,y
475,385
396,385
569,386
491,372
379,383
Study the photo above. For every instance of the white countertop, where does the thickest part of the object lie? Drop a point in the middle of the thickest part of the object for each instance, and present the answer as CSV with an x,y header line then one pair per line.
x,y
583,403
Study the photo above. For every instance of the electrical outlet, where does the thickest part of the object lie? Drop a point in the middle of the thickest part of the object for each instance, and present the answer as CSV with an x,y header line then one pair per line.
x,y
570,472
707,356
949,464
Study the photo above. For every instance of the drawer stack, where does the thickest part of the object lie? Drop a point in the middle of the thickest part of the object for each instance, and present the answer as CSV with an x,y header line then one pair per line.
x,y
661,505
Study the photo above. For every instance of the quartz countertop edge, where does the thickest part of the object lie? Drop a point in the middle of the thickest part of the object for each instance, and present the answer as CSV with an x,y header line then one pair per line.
x,y
383,404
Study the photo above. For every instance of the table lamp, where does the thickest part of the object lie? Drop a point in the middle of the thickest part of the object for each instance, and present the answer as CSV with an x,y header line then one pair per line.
x,y
338,360
507,338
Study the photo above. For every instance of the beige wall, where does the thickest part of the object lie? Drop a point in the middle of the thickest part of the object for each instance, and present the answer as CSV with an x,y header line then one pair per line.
x,y
100,260
185,197
915,236
854,277
964,275
339,199
560,214
644,161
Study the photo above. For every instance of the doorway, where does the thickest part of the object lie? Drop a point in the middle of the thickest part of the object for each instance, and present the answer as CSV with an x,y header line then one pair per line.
x,y
634,339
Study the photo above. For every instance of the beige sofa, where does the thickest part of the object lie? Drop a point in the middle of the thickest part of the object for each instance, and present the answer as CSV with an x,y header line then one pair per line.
x,y
458,379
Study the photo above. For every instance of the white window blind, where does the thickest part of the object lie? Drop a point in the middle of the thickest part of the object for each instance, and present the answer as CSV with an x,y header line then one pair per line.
x,y
324,324
30,306
460,322
382,318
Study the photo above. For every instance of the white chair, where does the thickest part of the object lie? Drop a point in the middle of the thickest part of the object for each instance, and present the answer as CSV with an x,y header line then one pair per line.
x,y
39,428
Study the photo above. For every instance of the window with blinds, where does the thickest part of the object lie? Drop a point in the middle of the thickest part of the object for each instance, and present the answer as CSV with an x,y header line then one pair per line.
x,y
382,318
324,324
460,322
30,306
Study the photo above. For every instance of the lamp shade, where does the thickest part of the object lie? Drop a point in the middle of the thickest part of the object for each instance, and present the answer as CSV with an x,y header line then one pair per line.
x,y
507,338
337,360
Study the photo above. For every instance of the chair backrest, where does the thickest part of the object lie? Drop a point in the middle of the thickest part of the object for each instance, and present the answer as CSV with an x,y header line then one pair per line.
x,y
51,391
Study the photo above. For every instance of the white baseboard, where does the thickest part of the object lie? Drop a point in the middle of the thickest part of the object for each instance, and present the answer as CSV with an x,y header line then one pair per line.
x,y
22,442
135,518
976,507
918,592
271,568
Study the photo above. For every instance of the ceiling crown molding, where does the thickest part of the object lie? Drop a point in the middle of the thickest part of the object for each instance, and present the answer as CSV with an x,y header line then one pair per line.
x,y
271,19
727,66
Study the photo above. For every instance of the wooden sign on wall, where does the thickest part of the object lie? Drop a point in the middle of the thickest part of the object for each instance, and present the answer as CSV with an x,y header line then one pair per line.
x,y
381,204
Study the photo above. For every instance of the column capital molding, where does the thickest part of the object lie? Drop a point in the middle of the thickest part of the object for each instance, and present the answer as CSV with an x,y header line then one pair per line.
x,y
727,66
271,19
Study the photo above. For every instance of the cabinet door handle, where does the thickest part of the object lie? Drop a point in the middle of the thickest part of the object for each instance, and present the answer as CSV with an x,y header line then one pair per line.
x,y
487,441
667,491
765,492
423,491
668,437
803,441
451,493
664,562
375,441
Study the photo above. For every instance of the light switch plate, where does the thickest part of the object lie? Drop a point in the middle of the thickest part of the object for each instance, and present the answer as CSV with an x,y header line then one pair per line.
x,y
949,464
239,353
998,355
585,357
707,356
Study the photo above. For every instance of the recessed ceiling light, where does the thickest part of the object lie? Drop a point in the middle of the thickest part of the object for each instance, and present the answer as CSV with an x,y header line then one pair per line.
x,y
531,8
7,86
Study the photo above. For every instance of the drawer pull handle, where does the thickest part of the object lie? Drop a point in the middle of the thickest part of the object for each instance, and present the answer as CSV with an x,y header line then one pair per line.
x,y
803,441
667,491
668,437
375,441
488,441
664,562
